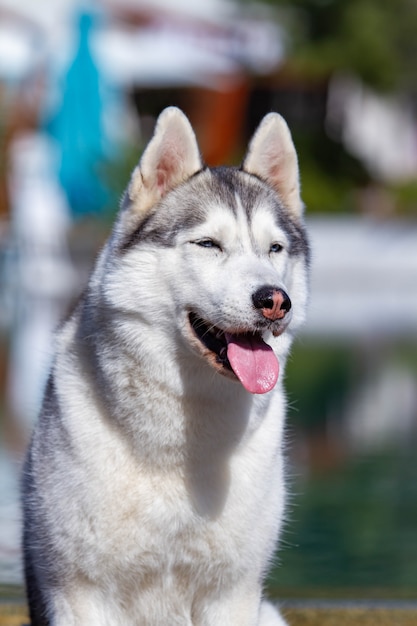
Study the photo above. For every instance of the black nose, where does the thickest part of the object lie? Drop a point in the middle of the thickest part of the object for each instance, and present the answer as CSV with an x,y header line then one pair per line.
x,y
272,301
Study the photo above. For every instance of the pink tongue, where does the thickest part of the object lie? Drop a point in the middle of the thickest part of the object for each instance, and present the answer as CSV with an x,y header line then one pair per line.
x,y
253,362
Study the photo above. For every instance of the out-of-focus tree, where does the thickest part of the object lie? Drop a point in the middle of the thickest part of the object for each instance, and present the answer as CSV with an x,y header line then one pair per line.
x,y
374,39
368,42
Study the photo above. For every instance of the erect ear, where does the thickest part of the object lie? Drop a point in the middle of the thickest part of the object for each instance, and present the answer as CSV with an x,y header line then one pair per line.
x,y
170,158
271,156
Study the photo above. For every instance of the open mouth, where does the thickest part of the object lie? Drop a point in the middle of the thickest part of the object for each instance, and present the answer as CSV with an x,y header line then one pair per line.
x,y
212,338
244,355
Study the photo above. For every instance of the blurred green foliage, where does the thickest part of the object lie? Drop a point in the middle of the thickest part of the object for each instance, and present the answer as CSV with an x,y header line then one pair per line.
x,y
352,519
405,198
373,39
353,529
329,175
318,381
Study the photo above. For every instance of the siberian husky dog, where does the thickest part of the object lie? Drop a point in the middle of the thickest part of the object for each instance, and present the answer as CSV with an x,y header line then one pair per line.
x,y
153,487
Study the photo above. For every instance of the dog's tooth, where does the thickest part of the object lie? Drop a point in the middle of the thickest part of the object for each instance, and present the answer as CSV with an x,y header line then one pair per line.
x,y
223,353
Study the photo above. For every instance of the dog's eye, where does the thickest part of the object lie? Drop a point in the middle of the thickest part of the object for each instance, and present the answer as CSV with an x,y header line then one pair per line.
x,y
276,247
207,243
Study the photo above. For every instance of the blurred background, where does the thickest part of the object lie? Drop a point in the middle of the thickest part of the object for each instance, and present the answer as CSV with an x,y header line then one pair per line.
x,y
81,84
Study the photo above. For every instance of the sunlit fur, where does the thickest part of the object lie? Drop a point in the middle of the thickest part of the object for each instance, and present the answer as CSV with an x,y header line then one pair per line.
x,y
153,490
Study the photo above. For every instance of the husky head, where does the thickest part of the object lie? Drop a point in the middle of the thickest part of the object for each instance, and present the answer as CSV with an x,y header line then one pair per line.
x,y
212,261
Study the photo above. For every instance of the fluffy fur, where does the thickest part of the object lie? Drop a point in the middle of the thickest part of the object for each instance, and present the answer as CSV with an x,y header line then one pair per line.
x,y
153,490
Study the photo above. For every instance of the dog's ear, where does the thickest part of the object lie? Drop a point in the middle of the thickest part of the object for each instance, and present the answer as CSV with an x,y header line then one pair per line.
x,y
272,157
170,158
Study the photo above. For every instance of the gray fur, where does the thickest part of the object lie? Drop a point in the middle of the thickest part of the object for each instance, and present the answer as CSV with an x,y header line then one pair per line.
x,y
221,185
153,487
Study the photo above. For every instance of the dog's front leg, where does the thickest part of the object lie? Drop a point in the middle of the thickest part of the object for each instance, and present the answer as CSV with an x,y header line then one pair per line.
x,y
235,607
269,615
80,607
242,607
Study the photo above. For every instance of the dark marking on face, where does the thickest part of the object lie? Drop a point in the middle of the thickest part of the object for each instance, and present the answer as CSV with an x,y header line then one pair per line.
x,y
296,233
188,205
138,235
181,209
253,192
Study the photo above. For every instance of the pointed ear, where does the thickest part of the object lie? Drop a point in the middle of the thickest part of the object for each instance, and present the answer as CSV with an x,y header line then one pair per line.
x,y
272,157
170,158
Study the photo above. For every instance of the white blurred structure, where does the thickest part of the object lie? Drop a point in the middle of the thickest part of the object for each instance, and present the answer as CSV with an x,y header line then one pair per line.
x,y
383,409
43,276
143,42
364,278
379,130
